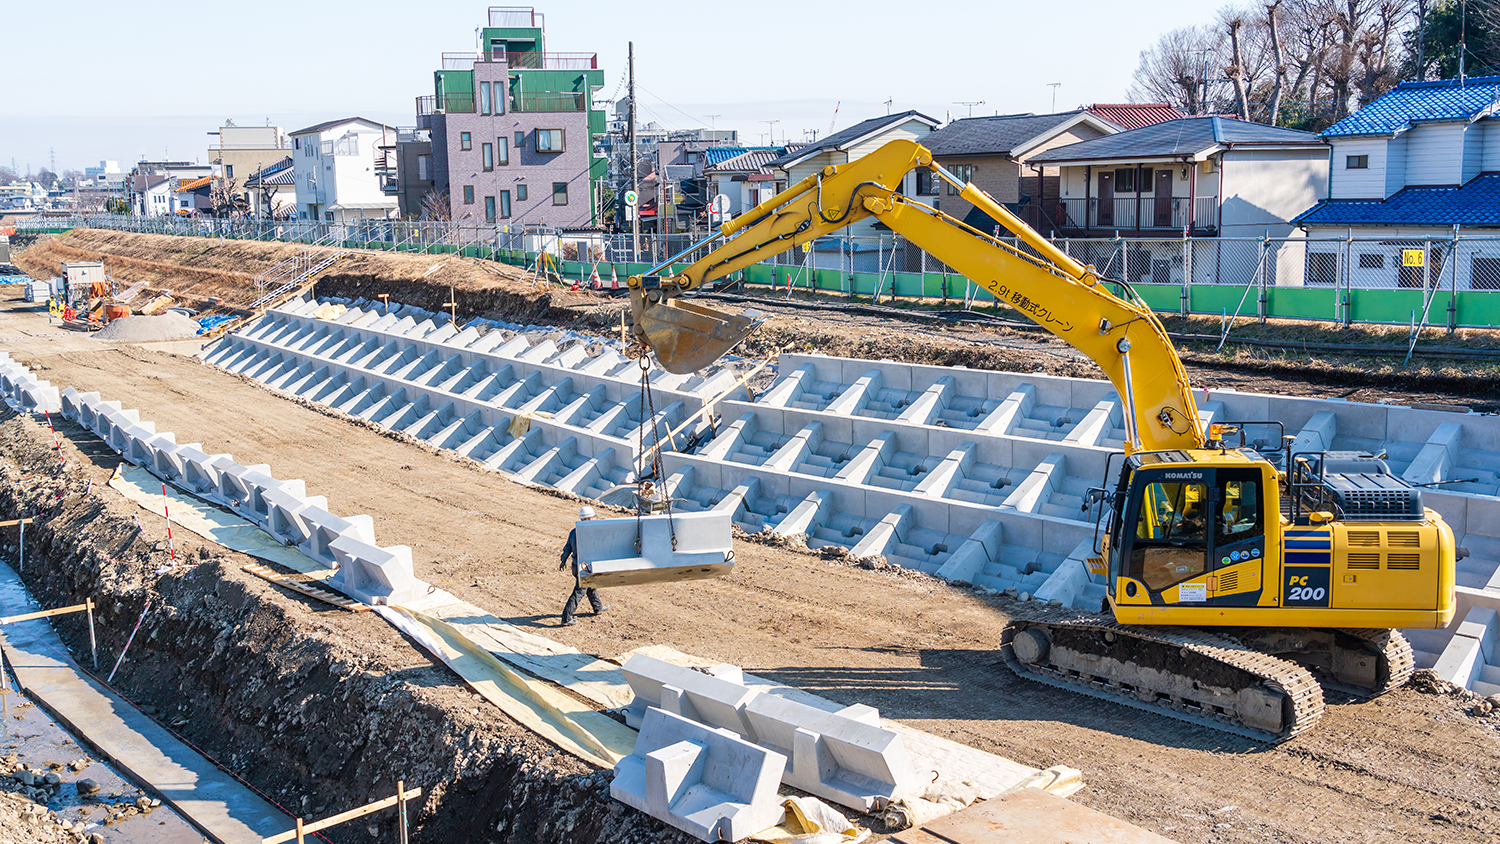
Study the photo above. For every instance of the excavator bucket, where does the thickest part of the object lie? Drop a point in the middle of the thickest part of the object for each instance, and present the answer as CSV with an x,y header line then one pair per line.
x,y
685,336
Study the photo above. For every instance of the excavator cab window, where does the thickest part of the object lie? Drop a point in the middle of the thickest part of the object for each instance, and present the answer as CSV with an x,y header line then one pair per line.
x,y
1171,542
1239,509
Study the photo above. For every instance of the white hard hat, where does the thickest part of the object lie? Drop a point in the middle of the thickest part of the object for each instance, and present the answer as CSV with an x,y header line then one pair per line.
x,y
586,512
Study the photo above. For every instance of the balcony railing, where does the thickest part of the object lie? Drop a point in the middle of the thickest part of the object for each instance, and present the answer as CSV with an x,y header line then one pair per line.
x,y
462,103
1137,214
516,16
523,61
547,102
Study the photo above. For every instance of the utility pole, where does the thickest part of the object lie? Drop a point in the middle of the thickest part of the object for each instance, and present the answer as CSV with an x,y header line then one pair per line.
x,y
635,176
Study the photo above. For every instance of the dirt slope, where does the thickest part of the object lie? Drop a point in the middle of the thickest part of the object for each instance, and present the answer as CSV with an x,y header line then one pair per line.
x,y
1410,767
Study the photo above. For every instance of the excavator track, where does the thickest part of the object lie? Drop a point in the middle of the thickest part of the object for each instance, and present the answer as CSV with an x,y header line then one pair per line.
x,y
1185,673
1363,663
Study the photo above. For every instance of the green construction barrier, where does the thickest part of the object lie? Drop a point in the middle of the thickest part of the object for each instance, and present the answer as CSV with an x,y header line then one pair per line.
x,y
1218,299
1300,302
1476,308
1161,297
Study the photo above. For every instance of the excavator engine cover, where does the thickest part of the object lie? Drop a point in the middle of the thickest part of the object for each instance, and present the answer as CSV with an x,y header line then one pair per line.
x,y
685,336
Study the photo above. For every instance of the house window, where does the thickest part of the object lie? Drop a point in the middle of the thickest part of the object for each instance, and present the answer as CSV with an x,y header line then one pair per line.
x,y
559,193
965,173
927,182
229,171
424,167
465,140
502,151
1486,274
505,203
1357,162
1372,262
520,139
487,153
1322,267
521,193
549,140
1125,180
484,98
489,209
468,194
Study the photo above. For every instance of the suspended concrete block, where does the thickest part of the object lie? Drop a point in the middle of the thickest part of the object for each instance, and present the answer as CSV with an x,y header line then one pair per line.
x,y
716,698
631,551
373,574
708,783
844,756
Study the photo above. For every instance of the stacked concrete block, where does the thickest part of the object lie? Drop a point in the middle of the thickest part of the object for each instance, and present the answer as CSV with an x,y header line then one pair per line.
x,y
1472,657
844,756
24,391
282,508
583,425
709,783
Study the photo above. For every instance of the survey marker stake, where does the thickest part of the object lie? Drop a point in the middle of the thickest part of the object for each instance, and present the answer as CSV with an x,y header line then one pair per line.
x,y
171,551
55,441
137,629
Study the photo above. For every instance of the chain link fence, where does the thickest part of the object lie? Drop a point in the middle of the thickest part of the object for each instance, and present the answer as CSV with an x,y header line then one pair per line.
x,y
1439,280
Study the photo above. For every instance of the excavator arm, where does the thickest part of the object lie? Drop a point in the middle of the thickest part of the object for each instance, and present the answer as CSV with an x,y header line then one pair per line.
x,y
1121,335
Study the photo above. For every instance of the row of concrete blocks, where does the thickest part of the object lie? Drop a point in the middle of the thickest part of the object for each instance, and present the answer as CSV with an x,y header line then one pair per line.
x,y
365,570
1471,657
711,750
25,391
585,421
395,386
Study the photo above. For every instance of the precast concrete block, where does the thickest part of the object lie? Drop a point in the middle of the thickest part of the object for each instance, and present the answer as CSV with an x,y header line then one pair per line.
x,y
324,528
1036,490
1069,582
74,404
706,698
654,549
1012,409
885,534
1435,462
979,550
709,783
836,756
1317,434
199,476
284,517
807,516
373,574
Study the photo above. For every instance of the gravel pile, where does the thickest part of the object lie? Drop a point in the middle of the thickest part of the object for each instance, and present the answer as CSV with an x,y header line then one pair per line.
x,y
141,329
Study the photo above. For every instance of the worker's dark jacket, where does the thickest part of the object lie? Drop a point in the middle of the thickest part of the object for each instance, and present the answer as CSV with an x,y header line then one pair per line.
x,y
570,551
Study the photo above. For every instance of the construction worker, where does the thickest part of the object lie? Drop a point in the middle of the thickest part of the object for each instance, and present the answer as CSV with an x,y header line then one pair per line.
x,y
570,552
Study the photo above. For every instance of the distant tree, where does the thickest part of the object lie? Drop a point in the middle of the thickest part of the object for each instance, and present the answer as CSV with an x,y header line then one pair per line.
x,y
1172,70
224,197
117,205
1432,45
46,178
436,206
8,176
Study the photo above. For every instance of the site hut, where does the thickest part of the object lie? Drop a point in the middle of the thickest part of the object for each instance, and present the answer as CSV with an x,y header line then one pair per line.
x,y
1406,173
512,128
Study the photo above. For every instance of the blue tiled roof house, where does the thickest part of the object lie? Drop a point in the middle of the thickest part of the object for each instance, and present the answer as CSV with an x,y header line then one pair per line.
x,y
1419,161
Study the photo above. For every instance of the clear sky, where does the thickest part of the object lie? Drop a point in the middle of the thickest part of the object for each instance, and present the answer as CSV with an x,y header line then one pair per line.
x,y
95,80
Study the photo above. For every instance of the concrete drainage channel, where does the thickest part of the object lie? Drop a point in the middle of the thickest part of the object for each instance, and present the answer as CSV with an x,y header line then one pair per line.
x,y
970,475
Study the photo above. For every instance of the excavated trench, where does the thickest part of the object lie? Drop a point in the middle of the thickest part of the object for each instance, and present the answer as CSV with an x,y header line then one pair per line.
x,y
319,709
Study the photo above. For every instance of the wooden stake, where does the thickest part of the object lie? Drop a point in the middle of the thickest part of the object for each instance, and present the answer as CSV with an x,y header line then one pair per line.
x,y
93,643
401,810
166,511
300,839
452,306
385,301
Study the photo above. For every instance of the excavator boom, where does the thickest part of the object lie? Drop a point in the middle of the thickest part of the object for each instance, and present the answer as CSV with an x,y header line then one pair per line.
x,y
1052,289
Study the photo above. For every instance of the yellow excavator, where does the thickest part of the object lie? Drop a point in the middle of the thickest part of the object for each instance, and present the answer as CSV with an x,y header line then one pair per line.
x,y
1233,572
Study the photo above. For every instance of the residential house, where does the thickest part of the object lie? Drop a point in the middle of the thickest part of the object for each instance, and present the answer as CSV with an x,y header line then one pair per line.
x,y
194,196
852,144
273,190
151,195
993,153
1206,176
512,128
1421,161
408,174
243,150
335,163
744,180
1134,115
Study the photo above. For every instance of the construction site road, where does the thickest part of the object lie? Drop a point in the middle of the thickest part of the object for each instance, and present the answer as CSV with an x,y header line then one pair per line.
x,y
1408,767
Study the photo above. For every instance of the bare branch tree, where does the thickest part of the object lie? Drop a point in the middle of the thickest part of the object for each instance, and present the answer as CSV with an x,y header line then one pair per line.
x,y
1171,71
1236,69
436,206
1279,64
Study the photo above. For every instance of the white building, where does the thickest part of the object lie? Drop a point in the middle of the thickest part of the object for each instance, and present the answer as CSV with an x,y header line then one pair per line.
x,y
335,165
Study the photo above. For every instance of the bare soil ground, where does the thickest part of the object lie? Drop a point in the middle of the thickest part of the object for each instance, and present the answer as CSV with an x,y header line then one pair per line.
x,y
1408,767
